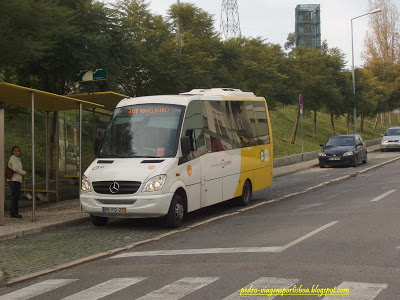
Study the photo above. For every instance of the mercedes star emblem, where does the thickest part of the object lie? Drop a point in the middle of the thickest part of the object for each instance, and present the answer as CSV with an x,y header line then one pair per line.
x,y
114,187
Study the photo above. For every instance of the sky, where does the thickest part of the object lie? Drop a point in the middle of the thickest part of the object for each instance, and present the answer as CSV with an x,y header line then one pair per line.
x,y
275,19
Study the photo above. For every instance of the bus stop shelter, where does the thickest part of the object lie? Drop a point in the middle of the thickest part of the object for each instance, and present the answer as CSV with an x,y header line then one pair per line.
x,y
47,102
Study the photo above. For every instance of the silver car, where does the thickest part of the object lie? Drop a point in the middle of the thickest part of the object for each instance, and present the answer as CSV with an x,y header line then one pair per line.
x,y
391,139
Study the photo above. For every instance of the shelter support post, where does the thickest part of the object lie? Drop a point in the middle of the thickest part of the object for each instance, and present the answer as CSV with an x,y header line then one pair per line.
x,y
33,154
47,154
57,152
2,179
94,126
80,147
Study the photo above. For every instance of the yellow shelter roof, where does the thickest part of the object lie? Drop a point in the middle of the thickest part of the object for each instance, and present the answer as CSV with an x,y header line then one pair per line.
x,y
108,99
20,96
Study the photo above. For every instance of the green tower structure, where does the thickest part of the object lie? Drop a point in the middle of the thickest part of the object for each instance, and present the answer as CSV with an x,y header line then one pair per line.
x,y
308,26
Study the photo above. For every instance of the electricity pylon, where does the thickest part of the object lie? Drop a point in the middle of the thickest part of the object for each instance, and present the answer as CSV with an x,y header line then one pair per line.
x,y
230,25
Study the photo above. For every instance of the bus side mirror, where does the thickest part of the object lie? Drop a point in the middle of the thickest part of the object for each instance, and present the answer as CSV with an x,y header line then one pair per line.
x,y
185,145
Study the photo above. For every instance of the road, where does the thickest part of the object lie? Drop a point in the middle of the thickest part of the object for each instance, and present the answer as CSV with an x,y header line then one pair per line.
x,y
342,235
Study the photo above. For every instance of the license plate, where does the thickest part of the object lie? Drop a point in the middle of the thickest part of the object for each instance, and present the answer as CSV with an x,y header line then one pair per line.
x,y
116,210
334,158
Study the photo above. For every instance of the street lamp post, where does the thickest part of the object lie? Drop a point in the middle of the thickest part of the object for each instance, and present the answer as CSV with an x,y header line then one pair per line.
x,y
352,63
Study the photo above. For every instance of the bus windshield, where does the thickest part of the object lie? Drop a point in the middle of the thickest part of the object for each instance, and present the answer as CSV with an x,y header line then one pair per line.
x,y
144,130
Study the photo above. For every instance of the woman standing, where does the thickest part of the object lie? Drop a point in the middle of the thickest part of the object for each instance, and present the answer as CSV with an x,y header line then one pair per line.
x,y
15,182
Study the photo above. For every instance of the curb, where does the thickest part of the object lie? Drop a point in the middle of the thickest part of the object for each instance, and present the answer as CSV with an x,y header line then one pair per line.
x,y
131,246
312,165
295,170
38,229
2,280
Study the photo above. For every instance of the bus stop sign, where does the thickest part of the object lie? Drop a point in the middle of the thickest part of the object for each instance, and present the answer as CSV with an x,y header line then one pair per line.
x,y
93,75
301,103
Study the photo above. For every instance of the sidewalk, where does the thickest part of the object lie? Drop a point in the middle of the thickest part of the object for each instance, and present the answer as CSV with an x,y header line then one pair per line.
x,y
67,212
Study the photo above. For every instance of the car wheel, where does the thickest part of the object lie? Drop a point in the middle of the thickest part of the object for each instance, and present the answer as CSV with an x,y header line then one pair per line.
x,y
383,150
176,212
98,221
365,159
355,163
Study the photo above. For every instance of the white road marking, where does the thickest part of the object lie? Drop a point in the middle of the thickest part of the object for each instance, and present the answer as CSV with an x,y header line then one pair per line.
x,y
308,235
358,290
224,250
199,251
180,288
264,282
307,206
187,285
383,195
334,196
36,289
104,289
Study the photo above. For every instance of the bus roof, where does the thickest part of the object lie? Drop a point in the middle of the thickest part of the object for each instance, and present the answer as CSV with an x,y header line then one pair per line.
x,y
214,94
220,92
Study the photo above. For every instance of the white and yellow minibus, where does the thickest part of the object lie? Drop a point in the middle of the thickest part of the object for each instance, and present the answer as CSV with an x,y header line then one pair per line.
x,y
170,155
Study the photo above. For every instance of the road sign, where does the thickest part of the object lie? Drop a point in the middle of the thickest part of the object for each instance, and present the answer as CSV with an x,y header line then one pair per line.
x,y
301,105
301,102
100,74
92,75
85,75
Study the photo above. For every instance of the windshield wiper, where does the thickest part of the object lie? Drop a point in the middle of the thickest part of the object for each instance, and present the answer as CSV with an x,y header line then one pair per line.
x,y
113,156
105,156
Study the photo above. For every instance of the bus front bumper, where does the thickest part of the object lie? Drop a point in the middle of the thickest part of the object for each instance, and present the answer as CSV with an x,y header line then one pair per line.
x,y
127,206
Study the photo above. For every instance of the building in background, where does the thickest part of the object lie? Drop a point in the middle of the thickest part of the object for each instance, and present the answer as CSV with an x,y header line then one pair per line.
x,y
308,26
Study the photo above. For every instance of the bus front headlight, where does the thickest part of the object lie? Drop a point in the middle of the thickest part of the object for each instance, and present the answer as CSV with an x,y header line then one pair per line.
x,y
85,184
155,183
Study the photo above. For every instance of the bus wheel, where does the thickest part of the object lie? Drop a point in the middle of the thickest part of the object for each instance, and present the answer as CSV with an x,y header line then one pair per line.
x,y
98,221
176,212
246,194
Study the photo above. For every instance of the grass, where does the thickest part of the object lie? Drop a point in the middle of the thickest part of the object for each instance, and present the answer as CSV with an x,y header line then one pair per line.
x,y
283,120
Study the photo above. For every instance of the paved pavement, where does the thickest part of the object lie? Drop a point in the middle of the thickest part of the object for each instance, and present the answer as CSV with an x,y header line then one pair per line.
x,y
64,213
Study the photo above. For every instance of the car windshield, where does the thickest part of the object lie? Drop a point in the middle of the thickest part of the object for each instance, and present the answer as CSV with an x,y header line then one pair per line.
x,y
393,131
145,130
341,141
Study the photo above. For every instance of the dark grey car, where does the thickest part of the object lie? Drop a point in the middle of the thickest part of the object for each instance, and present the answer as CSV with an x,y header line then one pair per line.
x,y
343,150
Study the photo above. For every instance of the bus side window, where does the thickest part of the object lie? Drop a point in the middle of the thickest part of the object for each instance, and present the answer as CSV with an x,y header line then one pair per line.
x,y
207,141
195,138
216,145
191,134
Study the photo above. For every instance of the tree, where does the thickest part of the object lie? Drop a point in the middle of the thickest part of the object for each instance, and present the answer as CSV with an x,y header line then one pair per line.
x,y
291,41
195,62
79,40
25,35
383,52
383,41
337,84
370,94
311,82
144,49
257,66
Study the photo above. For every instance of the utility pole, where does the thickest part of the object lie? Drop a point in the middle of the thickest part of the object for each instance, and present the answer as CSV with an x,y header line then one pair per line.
x,y
178,30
